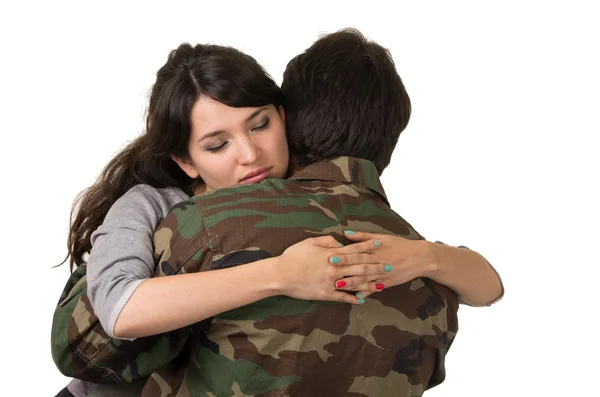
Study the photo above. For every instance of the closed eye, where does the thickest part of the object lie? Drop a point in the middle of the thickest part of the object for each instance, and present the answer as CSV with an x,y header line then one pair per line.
x,y
217,148
263,126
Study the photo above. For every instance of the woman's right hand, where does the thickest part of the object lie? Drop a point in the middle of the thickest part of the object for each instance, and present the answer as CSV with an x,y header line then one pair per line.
x,y
306,273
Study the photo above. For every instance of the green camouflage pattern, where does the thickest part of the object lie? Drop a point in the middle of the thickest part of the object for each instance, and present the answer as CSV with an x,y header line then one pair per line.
x,y
278,346
393,345
82,349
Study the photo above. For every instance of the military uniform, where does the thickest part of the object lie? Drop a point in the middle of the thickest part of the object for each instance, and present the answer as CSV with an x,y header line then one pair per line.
x,y
393,345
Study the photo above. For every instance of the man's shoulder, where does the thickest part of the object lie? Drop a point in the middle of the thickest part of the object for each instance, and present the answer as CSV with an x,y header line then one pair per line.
x,y
185,219
315,203
237,197
282,192
181,236
242,190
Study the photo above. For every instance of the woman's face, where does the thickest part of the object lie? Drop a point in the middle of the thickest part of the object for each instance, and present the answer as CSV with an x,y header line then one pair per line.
x,y
230,146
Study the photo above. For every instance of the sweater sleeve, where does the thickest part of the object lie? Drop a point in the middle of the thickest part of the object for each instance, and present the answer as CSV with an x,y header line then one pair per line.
x,y
122,249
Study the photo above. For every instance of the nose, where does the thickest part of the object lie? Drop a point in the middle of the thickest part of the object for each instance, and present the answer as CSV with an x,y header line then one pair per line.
x,y
250,153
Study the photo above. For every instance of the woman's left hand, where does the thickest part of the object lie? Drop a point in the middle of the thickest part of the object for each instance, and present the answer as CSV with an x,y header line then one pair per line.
x,y
405,260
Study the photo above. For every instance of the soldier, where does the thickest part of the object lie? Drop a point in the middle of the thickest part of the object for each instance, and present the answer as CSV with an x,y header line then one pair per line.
x,y
269,330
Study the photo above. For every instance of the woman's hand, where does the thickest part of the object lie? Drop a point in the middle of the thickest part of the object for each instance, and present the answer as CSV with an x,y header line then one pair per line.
x,y
306,270
402,260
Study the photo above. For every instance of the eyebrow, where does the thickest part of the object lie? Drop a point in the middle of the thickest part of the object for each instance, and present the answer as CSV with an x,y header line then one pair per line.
x,y
215,133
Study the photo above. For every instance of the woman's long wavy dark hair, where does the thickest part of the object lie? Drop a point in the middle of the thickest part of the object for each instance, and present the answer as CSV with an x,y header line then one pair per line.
x,y
221,73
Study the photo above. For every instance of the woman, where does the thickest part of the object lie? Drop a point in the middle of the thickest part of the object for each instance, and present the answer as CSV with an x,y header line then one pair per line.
x,y
236,107
119,213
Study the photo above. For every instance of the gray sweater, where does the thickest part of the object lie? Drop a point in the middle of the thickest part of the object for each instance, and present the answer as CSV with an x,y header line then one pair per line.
x,y
122,249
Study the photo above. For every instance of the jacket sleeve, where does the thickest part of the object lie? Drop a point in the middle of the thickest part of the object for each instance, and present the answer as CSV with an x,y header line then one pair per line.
x,y
82,349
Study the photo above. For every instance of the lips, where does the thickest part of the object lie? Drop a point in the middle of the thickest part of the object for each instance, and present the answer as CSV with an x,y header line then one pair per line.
x,y
256,175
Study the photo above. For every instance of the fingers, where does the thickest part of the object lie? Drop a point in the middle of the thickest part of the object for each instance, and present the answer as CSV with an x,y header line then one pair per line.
x,y
361,236
362,295
351,259
372,269
353,283
361,283
325,242
356,253
370,287
340,296
360,248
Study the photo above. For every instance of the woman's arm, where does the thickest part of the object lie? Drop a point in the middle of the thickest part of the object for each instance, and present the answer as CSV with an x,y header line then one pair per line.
x,y
468,273
122,254
162,304
465,271
130,303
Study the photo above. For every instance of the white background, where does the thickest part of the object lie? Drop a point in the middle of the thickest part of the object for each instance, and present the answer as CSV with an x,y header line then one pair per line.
x,y
501,154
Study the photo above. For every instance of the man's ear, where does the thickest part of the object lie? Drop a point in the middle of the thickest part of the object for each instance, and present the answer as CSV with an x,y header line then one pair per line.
x,y
186,167
281,112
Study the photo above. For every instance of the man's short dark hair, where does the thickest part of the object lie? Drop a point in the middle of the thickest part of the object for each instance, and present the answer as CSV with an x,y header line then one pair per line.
x,y
343,97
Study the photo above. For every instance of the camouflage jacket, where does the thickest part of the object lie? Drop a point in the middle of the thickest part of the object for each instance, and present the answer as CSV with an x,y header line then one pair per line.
x,y
334,347
82,349
393,345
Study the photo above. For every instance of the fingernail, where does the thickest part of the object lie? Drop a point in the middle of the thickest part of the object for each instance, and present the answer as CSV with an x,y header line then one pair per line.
x,y
349,232
379,286
335,259
361,301
360,295
340,284
341,245
377,243
387,268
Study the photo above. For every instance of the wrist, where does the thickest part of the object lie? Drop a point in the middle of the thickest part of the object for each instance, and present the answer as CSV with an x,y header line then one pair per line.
x,y
432,265
273,276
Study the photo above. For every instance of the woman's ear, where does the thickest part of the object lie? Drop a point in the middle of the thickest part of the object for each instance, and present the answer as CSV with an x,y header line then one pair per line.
x,y
186,167
281,112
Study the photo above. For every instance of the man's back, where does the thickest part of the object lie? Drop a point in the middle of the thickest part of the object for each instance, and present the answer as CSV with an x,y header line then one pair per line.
x,y
394,344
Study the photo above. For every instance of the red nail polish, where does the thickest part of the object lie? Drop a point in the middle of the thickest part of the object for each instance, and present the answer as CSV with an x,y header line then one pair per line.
x,y
379,286
340,284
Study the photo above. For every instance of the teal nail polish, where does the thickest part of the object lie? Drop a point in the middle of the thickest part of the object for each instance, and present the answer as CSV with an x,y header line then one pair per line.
x,y
360,295
335,259
387,268
341,245
361,301
377,243
349,232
